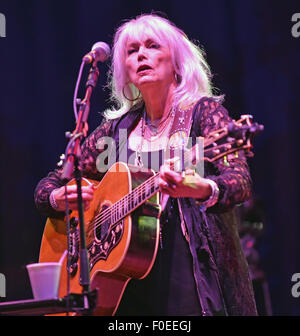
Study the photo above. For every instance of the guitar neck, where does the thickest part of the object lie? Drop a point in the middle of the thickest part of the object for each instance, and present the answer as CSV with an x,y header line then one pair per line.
x,y
134,199
232,138
150,187
146,190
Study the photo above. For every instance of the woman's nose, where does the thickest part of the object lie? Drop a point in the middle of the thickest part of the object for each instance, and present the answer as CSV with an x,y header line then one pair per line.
x,y
142,54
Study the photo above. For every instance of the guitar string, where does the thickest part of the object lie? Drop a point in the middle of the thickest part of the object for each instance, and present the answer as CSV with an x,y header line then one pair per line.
x,y
118,212
189,159
117,209
218,135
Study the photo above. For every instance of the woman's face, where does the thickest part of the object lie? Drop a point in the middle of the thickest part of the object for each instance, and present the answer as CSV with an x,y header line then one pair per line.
x,y
148,63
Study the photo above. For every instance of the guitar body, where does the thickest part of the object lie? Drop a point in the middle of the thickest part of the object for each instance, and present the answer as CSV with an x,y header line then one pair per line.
x,y
118,250
122,225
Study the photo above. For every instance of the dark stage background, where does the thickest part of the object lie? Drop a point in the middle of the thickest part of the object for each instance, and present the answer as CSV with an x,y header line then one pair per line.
x,y
255,61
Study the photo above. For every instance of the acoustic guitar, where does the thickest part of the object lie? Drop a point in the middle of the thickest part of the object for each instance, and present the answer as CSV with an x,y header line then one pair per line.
x,y
122,224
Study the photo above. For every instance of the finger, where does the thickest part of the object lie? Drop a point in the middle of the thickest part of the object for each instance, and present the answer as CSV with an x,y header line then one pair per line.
x,y
70,188
166,187
86,190
71,197
174,163
172,160
73,189
172,177
90,188
74,197
165,170
169,191
60,197
162,183
87,196
189,172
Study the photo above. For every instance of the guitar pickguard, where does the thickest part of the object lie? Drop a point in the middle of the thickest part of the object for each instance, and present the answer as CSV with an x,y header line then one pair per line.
x,y
100,249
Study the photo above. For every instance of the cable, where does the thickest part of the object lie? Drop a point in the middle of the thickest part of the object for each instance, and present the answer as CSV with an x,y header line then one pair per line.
x,y
76,90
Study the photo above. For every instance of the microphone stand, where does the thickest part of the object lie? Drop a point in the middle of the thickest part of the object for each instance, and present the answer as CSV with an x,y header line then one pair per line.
x,y
80,303
72,164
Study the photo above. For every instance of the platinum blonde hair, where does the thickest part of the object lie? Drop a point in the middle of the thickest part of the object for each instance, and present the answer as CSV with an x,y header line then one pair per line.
x,y
192,71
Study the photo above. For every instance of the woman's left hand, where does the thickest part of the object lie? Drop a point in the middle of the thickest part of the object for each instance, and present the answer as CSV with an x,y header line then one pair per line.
x,y
188,184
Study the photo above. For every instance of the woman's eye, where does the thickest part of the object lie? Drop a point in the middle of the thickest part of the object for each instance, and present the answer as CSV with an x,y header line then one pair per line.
x,y
130,51
154,45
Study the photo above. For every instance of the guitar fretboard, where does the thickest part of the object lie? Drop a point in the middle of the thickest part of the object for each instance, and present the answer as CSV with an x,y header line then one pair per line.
x,y
216,145
143,192
134,199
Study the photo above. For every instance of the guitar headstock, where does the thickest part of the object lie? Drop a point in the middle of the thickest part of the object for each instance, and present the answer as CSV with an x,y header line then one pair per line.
x,y
234,137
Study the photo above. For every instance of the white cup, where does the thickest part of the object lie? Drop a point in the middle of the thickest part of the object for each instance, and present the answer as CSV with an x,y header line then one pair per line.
x,y
44,279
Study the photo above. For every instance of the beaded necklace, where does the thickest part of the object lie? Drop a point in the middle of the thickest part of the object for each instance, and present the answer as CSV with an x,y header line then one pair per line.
x,y
152,129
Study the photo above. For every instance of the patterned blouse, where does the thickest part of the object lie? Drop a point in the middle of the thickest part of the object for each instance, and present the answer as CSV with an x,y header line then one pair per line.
x,y
219,266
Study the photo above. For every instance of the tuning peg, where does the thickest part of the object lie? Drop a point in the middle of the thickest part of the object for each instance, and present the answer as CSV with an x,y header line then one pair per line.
x,y
225,161
246,116
62,159
68,135
249,153
216,151
60,163
256,128
230,139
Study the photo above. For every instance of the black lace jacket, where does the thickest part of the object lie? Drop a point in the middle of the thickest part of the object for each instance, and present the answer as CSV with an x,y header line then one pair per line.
x,y
220,268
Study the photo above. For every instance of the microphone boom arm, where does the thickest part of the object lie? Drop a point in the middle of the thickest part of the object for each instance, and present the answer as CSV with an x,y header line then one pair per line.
x,y
72,165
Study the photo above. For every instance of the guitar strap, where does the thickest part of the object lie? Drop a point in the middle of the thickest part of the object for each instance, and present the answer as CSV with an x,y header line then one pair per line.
x,y
178,140
180,130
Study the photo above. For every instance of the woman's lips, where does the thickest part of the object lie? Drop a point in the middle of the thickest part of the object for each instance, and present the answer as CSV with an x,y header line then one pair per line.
x,y
144,67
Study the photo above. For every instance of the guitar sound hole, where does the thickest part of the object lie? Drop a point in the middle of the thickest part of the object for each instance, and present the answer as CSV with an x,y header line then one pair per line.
x,y
102,229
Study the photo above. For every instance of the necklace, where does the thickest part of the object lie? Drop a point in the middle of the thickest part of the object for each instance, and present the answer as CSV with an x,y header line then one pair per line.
x,y
157,133
158,125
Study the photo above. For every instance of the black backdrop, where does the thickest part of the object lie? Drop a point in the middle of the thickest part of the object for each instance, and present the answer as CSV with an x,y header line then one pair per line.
x,y
255,61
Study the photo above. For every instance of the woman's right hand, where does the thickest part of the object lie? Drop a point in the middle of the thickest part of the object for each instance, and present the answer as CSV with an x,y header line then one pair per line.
x,y
58,196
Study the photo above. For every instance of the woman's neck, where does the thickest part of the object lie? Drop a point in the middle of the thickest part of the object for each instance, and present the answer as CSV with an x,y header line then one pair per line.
x,y
158,102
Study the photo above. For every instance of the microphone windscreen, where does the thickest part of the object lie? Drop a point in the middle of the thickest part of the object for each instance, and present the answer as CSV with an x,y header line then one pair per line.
x,y
102,50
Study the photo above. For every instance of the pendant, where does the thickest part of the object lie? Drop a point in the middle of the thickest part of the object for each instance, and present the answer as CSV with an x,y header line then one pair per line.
x,y
138,160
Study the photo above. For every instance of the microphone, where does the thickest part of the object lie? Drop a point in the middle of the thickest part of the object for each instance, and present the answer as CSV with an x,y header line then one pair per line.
x,y
100,52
